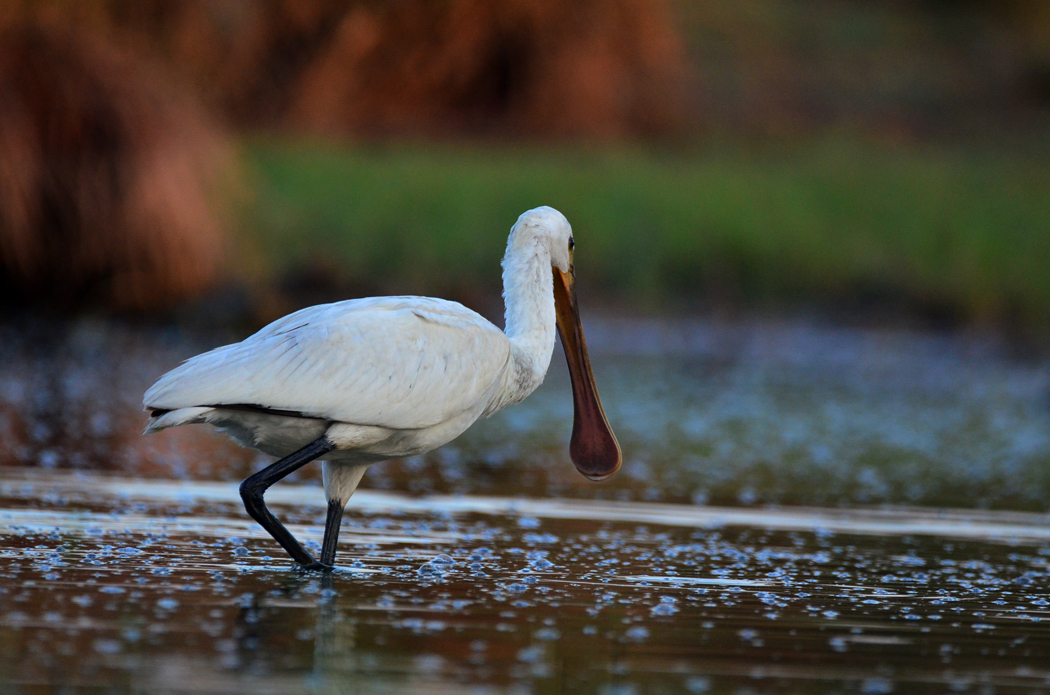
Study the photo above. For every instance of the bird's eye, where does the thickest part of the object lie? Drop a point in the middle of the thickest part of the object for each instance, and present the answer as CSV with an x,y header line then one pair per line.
x,y
572,244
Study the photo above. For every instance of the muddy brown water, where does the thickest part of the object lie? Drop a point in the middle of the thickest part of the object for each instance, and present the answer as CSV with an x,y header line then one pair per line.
x,y
801,509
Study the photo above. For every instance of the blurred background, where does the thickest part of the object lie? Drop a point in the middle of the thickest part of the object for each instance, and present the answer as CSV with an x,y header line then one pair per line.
x,y
812,234
871,160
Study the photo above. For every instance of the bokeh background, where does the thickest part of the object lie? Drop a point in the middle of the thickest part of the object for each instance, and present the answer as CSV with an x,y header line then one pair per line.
x,y
870,160
812,234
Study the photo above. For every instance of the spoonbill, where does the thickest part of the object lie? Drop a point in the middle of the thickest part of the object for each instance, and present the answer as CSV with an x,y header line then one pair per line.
x,y
365,380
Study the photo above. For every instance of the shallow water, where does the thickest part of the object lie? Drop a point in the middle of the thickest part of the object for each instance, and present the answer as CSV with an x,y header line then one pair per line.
x,y
114,584
800,509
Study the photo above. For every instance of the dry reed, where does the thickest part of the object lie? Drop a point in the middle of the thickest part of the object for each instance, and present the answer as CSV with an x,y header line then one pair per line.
x,y
591,68
107,175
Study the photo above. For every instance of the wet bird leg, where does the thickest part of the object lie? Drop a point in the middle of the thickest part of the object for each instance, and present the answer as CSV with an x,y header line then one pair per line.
x,y
331,532
252,490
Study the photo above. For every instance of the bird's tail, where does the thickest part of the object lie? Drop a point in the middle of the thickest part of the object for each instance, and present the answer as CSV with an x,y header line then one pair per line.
x,y
163,419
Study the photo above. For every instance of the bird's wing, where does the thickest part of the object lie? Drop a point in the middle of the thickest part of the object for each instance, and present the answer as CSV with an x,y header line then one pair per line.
x,y
398,362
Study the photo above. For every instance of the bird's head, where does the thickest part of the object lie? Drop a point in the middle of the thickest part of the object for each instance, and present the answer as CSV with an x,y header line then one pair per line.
x,y
593,447
548,229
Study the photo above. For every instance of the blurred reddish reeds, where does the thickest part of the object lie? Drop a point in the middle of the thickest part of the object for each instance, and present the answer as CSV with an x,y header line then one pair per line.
x,y
588,68
108,174
599,68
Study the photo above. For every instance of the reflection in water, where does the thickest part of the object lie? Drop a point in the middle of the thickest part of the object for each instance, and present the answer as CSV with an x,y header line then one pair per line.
x,y
261,626
160,586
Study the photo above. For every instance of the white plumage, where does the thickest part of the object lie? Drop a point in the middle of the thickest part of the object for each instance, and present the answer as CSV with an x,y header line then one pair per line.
x,y
388,377
391,362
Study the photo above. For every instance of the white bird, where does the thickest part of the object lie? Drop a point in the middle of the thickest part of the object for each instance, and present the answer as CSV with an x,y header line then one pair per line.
x,y
365,380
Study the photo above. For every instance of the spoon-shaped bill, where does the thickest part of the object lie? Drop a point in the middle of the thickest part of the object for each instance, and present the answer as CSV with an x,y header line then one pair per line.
x,y
593,448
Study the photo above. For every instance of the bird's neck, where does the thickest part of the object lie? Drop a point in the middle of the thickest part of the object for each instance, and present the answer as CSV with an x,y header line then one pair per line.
x,y
528,291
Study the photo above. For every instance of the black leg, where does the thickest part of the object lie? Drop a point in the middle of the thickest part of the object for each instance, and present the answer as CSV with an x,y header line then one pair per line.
x,y
331,532
253,488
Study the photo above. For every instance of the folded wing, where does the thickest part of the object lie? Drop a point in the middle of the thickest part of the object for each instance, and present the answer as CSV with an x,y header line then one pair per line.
x,y
397,362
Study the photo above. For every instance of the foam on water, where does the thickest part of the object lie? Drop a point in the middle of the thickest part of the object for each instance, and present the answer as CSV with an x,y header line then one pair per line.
x,y
591,601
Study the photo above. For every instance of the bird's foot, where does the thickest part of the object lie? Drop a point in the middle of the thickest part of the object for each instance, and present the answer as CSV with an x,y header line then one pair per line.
x,y
315,566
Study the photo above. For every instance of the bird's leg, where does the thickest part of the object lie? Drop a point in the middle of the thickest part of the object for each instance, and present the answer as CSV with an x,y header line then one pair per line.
x,y
341,478
253,488
331,532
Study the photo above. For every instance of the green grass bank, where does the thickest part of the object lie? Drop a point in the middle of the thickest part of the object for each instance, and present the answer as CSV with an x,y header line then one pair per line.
x,y
962,232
